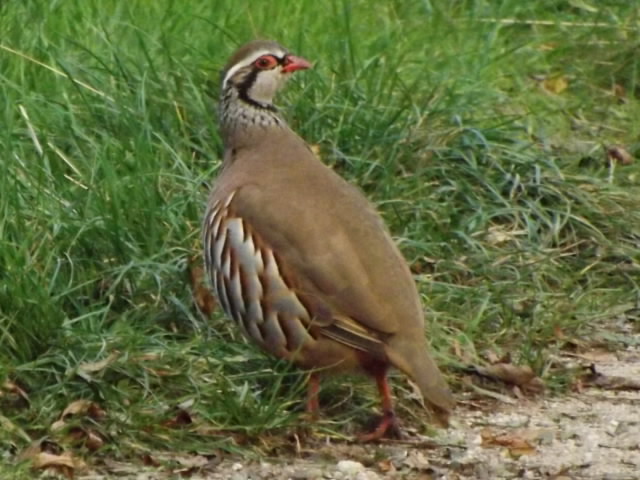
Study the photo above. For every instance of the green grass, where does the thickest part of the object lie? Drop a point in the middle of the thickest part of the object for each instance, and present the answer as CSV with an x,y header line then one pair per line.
x,y
498,190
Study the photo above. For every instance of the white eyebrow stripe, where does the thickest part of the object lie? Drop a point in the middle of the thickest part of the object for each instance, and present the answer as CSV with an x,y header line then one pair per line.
x,y
232,71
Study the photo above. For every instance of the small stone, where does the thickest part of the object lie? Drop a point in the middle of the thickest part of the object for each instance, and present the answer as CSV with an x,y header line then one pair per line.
x,y
481,471
546,437
349,467
367,475
306,474
612,428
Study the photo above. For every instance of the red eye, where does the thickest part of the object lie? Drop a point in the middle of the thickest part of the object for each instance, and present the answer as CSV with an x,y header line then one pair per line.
x,y
265,62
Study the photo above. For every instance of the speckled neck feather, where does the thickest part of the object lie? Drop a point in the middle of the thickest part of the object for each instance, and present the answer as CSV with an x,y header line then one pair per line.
x,y
238,114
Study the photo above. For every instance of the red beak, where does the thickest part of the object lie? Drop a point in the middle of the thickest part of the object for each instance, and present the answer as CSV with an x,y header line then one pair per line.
x,y
293,63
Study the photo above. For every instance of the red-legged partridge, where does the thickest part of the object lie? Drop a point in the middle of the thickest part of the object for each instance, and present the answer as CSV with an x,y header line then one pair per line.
x,y
298,257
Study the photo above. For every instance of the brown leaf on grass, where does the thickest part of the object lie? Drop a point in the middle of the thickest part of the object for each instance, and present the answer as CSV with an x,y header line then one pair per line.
x,y
521,378
150,356
58,463
517,444
161,372
83,407
93,441
463,353
609,382
8,426
89,438
508,373
546,47
202,296
93,367
64,463
618,154
181,419
78,434
619,91
457,349
491,356
12,396
555,84
423,265
566,342
499,235
559,333
149,461
466,380
315,148
13,388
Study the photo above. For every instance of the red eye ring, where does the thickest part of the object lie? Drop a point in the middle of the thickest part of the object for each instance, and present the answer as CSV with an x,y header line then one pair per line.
x,y
265,62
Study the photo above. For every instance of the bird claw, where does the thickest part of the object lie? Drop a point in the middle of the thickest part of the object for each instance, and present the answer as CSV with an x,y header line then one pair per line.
x,y
387,427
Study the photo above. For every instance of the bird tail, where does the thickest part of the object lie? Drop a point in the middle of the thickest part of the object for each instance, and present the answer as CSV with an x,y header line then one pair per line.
x,y
416,362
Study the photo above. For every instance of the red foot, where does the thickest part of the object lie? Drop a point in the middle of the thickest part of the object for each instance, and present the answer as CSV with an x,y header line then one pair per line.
x,y
313,406
388,426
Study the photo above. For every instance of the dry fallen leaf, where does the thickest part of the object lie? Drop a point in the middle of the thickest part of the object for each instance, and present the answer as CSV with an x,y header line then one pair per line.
x,y
466,380
566,342
609,382
555,84
619,91
545,47
517,444
93,367
508,373
90,439
83,407
618,154
315,148
8,426
78,434
498,235
13,388
522,378
181,419
57,426
64,463
93,441
151,356
149,461
59,463
463,353
493,358
202,296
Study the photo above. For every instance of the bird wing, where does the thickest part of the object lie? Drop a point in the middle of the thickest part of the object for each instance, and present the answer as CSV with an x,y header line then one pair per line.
x,y
336,253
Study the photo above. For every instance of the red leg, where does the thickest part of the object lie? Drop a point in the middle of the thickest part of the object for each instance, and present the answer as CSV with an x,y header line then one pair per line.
x,y
313,407
388,422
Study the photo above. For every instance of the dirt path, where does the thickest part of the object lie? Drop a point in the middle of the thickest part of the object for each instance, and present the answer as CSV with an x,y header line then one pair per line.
x,y
594,434
591,434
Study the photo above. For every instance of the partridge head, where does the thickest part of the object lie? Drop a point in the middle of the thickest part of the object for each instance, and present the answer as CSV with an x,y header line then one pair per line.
x,y
298,258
